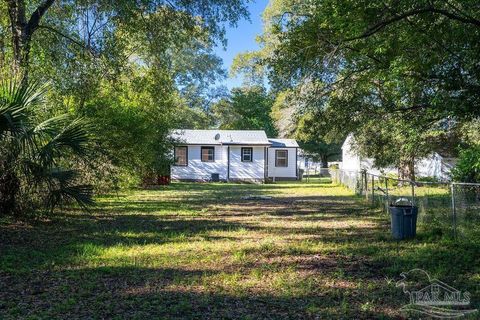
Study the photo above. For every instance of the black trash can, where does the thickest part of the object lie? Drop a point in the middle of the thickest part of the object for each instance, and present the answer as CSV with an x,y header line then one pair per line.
x,y
403,221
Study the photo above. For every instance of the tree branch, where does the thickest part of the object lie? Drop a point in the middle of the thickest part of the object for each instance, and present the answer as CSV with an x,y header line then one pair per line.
x,y
382,24
77,42
37,15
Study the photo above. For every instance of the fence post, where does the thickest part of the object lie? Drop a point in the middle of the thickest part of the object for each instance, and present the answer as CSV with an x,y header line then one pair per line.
x,y
412,183
454,210
386,195
365,179
373,190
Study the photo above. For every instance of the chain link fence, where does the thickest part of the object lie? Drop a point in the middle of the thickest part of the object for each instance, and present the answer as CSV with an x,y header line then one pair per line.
x,y
466,208
444,208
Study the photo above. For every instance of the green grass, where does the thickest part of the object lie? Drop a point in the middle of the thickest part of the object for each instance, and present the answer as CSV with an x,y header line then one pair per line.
x,y
204,251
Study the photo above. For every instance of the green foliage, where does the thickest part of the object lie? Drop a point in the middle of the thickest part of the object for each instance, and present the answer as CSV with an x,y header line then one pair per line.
x,y
133,71
248,108
309,135
33,155
467,168
397,74
249,65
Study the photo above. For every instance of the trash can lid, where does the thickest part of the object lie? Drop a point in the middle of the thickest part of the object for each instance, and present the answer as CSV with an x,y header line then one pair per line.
x,y
402,202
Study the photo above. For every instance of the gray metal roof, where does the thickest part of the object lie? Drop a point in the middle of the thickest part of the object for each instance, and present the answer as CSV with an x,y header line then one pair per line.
x,y
219,137
283,143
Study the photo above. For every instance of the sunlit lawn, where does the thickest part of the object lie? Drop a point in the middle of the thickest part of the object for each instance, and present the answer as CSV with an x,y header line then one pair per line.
x,y
208,251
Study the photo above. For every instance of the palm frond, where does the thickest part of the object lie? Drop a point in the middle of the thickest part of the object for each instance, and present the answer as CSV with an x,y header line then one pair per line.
x,y
30,152
73,137
16,100
63,188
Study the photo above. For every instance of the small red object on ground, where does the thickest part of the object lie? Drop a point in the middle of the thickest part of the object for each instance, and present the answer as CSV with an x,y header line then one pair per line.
x,y
163,180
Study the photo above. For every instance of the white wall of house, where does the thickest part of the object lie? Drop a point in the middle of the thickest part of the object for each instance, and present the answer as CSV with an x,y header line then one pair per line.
x,y
198,170
350,159
432,166
254,170
435,166
282,172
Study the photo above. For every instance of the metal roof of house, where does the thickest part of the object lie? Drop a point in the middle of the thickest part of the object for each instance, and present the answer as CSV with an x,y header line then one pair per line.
x,y
284,143
219,137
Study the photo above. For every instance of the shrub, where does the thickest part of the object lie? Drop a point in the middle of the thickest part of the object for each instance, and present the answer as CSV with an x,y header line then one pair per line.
x,y
467,168
39,160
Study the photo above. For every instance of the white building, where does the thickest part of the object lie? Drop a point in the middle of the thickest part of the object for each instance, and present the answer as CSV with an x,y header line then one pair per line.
x,y
434,166
233,155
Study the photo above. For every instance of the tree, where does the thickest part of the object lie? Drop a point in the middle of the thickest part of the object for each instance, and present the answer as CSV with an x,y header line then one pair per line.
x,y
91,25
311,139
467,168
368,67
22,29
33,155
248,108
133,70
306,127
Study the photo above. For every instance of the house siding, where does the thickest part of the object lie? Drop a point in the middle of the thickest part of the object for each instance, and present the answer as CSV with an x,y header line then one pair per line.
x,y
254,170
282,172
350,159
433,165
198,170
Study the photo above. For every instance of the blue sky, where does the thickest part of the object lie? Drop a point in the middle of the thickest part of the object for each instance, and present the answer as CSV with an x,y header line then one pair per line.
x,y
242,38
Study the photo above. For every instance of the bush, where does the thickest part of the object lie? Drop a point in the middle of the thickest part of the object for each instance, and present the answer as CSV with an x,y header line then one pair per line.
x,y
428,179
39,160
468,165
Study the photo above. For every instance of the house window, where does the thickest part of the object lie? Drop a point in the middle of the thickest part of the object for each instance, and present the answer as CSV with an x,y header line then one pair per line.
x,y
208,154
181,156
281,158
247,154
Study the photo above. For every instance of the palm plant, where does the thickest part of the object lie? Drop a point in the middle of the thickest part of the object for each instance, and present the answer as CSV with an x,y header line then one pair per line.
x,y
33,155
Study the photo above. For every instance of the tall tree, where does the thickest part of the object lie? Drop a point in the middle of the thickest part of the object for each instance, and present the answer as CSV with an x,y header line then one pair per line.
x,y
367,66
90,24
247,108
135,70
23,26
309,133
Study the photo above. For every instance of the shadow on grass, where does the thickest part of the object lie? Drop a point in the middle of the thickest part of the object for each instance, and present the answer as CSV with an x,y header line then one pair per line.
x,y
134,293
310,256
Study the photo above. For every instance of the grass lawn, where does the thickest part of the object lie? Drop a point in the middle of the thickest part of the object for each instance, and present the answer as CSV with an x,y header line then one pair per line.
x,y
204,251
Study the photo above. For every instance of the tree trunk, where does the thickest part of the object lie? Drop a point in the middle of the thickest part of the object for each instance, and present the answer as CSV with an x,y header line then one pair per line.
x,y
324,161
406,169
9,189
20,37
22,32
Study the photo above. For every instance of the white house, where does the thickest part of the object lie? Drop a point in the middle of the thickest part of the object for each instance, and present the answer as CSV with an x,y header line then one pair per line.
x,y
435,165
232,155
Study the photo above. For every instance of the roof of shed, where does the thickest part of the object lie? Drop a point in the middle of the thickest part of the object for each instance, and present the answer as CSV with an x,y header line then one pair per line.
x,y
219,137
283,143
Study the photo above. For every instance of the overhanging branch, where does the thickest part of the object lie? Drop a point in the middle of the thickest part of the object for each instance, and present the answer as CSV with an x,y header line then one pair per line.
x,y
383,24
37,15
69,38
